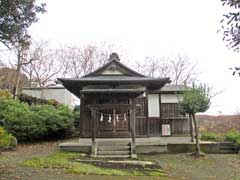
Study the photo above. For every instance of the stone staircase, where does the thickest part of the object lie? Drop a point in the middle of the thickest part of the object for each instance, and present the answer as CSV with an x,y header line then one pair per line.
x,y
114,149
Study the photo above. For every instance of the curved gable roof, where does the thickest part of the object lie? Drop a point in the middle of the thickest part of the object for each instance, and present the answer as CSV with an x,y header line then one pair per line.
x,y
114,63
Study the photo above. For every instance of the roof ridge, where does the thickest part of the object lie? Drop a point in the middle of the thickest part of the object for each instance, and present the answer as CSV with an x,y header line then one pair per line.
x,y
131,71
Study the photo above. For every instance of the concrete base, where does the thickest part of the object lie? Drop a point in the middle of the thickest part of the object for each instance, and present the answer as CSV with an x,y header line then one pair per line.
x,y
146,145
150,149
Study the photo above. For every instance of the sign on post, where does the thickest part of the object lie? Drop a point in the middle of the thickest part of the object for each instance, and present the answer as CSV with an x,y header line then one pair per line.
x,y
166,130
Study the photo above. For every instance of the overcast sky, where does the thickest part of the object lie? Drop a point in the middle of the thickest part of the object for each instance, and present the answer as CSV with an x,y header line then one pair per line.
x,y
151,28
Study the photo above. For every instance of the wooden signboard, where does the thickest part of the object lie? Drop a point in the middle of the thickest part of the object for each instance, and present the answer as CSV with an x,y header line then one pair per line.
x,y
166,130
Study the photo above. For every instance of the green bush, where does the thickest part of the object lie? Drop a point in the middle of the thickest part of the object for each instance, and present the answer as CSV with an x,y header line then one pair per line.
x,y
35,122
16,117
233,136
7,141
33,100
238,141
209,136
5,94
52,121
76,116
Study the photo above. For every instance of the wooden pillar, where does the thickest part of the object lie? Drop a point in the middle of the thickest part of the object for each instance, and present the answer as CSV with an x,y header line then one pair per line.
x,y
94,147
81,109
160,115
132,125
148,124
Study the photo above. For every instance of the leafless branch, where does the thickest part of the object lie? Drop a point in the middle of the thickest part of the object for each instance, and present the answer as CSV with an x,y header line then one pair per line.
x,y
180,69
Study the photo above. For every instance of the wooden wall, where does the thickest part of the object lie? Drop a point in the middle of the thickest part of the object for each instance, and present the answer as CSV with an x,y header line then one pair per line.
x,y
85,119
144,126
152,126
141,122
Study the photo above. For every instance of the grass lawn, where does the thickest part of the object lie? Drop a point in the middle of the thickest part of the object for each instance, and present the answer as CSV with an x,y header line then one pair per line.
x,y
43,161
69,163
211,167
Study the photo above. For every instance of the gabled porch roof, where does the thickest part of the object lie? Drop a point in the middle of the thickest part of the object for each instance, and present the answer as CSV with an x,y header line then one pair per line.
x,y
76,85
112,74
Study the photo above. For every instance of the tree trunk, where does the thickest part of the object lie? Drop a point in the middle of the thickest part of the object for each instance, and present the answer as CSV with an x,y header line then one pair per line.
x,y
198,150
191,128
17,79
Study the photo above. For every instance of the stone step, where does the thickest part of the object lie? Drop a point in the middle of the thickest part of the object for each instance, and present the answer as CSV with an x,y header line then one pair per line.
x,y
114,156
113,148
114,152
113,143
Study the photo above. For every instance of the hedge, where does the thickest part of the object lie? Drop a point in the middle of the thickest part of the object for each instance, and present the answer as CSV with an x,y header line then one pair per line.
x,y
33,100
233,136
210,136
7,141
35,122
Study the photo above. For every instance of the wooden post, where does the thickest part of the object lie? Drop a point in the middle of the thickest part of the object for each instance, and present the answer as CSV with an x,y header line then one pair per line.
x,y
160,115
94,147
81,111
132,120
148,124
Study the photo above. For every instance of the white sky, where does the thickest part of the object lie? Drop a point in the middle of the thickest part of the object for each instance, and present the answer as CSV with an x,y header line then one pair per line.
x,y
151,28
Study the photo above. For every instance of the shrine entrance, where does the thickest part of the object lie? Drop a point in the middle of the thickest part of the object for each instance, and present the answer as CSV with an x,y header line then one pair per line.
x,y
113,120
113,117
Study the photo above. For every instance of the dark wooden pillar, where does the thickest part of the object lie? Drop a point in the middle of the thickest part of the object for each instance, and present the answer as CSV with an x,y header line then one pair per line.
x,y
94,146
93,125
132,125
81,109
148,123
160,115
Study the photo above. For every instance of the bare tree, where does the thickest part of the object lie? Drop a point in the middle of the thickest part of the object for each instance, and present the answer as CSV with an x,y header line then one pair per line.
x,y
35,53
45,65
80,61
73,61
85,59
180,69
8,76
184,72
150,67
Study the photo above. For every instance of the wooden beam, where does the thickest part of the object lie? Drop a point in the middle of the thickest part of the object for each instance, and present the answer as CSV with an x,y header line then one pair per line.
x,y
148,124
160,113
